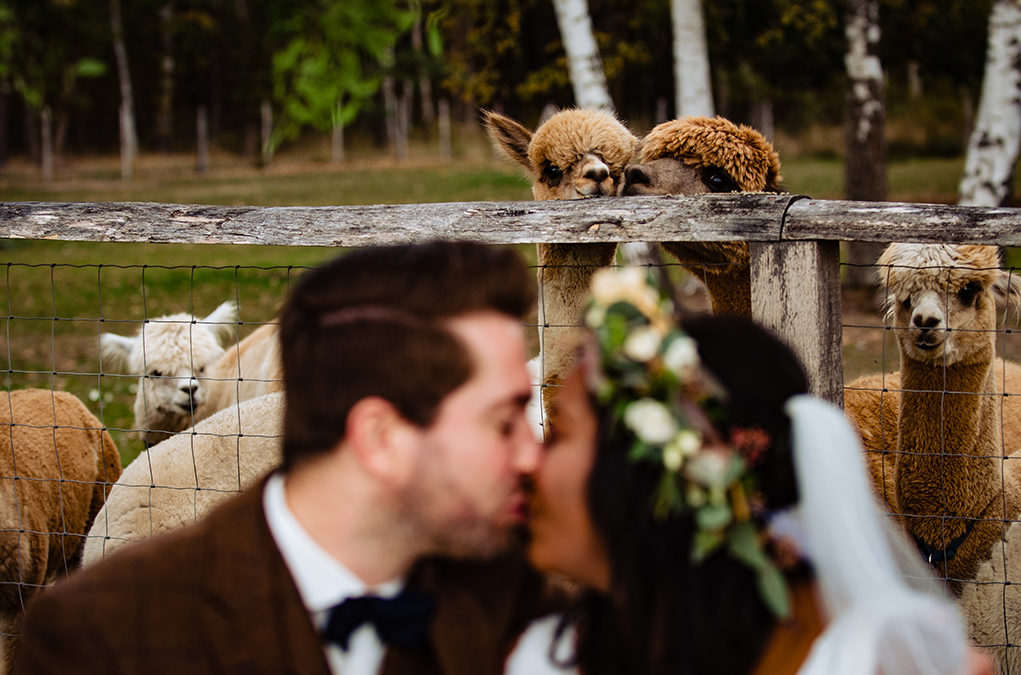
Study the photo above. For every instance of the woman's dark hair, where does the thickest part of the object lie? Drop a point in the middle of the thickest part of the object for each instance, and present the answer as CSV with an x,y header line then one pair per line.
x,y
665,614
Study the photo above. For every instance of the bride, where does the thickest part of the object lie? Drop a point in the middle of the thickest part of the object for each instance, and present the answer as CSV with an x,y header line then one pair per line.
x,y
715,518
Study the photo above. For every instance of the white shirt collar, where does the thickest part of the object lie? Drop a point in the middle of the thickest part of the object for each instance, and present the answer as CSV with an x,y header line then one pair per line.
x,y
322,580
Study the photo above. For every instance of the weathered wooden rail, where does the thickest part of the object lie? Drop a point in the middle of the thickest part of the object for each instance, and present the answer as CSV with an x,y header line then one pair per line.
x,y
793,239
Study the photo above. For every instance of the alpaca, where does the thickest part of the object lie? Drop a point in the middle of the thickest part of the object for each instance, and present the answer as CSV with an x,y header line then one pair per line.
x,y
872,401
176,482
582,153
948,479
696,155
56,465
216,377
992,605
575,154
169,354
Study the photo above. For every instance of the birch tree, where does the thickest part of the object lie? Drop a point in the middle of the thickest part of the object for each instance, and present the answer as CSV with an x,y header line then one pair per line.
x,y
129,138
586,68
692,83
865,163
994,144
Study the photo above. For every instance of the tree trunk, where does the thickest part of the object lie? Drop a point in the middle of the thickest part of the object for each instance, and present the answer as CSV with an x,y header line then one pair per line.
x,y
762,117
692,85
202,140
443,125
46,144
4,118
266,131
403,120
390,112
165,95
584,64
865,164
337,138
129,139
993,149
425,89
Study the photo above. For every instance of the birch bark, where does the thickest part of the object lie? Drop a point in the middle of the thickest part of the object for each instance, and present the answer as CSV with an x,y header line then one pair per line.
x,y
583,62
692,83
994,144
865,163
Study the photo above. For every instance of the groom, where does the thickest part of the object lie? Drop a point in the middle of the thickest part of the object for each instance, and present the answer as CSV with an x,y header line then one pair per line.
x,y
386,541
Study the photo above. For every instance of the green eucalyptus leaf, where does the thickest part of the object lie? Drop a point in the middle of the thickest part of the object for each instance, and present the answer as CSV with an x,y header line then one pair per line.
x,y
703,544
773,588
746,546
713,516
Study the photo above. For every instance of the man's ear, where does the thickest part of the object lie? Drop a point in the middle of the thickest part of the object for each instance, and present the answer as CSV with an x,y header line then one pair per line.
x,y
381,439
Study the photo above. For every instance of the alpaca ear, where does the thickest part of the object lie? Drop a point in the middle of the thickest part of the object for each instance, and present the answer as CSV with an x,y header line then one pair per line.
x,y
1008,291
509,136
223,320
114,351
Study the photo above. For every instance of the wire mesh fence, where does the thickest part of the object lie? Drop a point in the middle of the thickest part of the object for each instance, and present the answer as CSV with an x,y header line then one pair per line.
x,y
58,312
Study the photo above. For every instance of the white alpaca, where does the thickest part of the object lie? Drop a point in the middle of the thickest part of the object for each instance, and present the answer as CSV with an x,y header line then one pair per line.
x,y
178,481
169,354
947,475
185,373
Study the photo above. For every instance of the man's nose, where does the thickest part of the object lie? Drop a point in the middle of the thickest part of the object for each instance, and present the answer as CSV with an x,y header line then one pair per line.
x,y
527,451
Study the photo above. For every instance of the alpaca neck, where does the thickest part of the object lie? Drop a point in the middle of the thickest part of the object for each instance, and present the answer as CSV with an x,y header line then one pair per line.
x,y
948,437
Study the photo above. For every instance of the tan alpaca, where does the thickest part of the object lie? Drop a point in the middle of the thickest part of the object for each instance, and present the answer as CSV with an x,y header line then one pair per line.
x,y
947,475
581,153
575,154
695,155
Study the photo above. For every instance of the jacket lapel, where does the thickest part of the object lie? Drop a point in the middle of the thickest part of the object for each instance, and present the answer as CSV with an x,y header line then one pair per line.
x,y
255,618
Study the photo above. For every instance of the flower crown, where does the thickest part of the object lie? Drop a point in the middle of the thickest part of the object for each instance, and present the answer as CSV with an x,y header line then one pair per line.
x,y
649,377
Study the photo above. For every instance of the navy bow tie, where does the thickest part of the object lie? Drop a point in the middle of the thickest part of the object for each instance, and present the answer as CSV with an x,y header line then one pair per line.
x,y
401,621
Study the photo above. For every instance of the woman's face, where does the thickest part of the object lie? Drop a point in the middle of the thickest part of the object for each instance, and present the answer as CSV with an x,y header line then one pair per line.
x,y
564,538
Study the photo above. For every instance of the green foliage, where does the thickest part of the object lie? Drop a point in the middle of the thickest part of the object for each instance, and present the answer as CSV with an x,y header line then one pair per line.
x,y
333,61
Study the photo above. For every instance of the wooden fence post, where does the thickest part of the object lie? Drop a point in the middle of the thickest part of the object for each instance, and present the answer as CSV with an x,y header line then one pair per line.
x,y
796,293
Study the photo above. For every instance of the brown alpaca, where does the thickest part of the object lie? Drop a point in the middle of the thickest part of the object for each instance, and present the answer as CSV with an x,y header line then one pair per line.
x,y
695,155
57,463
575,154
947,476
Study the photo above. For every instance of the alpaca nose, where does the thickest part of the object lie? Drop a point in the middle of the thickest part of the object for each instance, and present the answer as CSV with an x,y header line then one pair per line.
x,y
636,175
598,173
921,321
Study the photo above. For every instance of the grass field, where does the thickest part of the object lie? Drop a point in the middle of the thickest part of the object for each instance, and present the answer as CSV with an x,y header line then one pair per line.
x,y
60,296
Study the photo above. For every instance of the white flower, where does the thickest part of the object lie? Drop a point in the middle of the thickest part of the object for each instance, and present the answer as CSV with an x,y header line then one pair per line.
x,y
708,468
685,443
642,344
682,355
93,394
651,421
611,284
596,315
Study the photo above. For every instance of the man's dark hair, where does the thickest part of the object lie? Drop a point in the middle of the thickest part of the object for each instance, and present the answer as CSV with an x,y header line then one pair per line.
x,y
371,323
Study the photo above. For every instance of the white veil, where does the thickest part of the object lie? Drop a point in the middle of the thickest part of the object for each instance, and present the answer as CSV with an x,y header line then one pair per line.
x,y
881,618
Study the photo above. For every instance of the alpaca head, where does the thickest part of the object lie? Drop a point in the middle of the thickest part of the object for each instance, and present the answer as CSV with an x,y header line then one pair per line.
x,y
169,354
942,299
574,154
695,155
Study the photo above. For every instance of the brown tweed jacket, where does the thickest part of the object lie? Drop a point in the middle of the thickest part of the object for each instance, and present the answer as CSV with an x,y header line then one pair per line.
x,y
216,597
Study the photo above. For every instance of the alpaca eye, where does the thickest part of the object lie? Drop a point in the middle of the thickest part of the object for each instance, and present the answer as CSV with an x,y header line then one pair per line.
x,y
717,180
552,174
967,294
156,373
906,303
202,370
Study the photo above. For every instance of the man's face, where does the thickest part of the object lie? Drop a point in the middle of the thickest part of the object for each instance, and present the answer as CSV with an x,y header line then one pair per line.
x,y
466,495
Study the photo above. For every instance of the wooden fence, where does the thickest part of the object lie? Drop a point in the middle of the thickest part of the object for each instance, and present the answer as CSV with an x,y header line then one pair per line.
x,y
793,239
